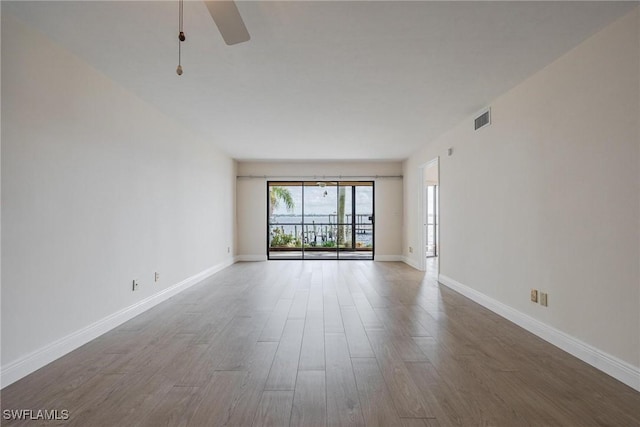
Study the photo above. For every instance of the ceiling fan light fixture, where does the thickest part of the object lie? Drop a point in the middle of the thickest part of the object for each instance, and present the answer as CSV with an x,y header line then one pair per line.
x,y
181,36
226,16
228,20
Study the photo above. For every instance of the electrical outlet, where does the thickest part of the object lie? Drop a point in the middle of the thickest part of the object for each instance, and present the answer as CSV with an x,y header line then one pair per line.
x,y
543,299
157,276
534,295
228,249
135,285
410,249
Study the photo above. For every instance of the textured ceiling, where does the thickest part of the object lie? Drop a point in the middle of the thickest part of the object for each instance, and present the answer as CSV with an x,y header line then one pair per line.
x,y
321,80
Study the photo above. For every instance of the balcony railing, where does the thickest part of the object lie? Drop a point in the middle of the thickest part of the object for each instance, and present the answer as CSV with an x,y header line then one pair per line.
x,y
288,236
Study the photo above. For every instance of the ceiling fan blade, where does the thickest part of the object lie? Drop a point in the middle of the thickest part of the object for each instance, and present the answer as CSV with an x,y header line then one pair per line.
x,y
226,16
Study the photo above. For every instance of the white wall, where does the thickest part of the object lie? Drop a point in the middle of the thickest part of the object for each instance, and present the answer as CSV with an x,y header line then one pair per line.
x,y
547,197
252,202
98,189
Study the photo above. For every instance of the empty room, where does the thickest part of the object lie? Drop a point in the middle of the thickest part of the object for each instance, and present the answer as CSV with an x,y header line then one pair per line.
x,y
320,213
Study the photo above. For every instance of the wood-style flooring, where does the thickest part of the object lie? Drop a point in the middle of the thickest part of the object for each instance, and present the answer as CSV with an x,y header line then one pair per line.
x,y
322,343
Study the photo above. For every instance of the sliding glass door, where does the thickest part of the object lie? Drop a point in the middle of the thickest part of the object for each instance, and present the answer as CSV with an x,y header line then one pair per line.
x,y
284,232
320,220
356,224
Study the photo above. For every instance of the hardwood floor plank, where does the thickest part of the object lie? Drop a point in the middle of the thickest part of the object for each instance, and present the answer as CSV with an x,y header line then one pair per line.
x,y
231,398
151,357
405,347
315,304
273,329
316,275
369,318
398,322
441,401
292,284
193,367
274,409
137,395
81,402
343,402
175,408
374,298
52,385
445,346
312,351
419,422
376,400
342,289
250,391
310,400
214,320
332,316
218,398
237,341
426,320
285,364
356,336
299,305
405,393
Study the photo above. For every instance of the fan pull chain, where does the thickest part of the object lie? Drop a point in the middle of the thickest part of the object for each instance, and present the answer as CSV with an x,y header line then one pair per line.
x,y
181,36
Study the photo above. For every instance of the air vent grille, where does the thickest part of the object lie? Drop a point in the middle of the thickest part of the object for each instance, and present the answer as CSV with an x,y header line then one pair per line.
x,y
483,120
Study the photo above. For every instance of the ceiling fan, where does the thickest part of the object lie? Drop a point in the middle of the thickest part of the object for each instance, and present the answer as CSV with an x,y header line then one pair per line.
x,y
230,24
228,20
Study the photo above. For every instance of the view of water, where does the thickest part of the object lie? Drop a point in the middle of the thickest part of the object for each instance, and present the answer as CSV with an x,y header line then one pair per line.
x,y
321,228
318,219
320,204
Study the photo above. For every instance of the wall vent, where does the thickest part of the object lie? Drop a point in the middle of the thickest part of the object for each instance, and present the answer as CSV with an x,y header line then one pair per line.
x,y
483,119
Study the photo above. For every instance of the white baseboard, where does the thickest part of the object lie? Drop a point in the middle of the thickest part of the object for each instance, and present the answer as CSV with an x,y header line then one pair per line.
x,y
611,365
388,258
411,263
35,360
250,258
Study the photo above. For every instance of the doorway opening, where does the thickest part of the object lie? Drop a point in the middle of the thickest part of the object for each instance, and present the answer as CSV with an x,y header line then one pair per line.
x,y
320,220
430,180
431,248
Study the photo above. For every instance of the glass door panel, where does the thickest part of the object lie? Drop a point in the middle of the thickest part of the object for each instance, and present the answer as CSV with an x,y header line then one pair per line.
x,y
319,226
345,213
284,235
358,243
